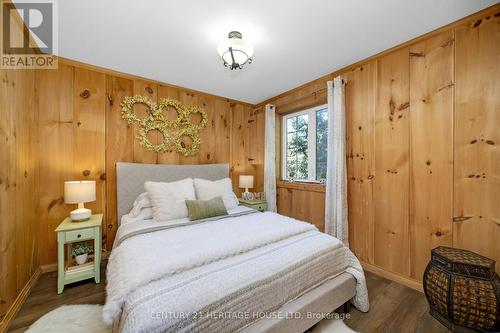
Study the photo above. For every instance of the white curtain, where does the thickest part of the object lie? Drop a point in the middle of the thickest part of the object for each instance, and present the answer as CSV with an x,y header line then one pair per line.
x,y
336,177
270,157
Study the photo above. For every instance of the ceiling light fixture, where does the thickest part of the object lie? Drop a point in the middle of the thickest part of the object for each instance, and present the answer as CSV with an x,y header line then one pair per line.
x,y
235,52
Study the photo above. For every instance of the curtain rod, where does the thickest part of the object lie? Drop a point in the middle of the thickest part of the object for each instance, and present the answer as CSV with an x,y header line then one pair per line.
x,y
320,90
317,91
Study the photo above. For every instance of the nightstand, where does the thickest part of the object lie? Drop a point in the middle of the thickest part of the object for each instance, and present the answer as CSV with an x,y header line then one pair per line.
x,y
259,205
69,232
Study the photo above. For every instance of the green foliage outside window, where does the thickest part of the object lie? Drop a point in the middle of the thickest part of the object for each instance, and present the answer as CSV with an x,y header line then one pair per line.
x,y
321,143
297,147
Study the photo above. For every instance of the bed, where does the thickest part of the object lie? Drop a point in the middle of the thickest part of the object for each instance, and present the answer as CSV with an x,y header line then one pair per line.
x,y
247,271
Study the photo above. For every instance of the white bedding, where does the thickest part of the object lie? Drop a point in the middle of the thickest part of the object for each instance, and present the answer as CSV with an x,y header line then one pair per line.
x,y
190,267
130,223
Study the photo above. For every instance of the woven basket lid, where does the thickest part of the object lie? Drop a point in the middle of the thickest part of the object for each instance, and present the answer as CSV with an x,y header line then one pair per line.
x,y
455,255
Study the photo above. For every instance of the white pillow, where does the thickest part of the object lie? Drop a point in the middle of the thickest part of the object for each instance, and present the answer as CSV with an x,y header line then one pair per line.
x,y
169,199
142,202
144,214
141,210
207,189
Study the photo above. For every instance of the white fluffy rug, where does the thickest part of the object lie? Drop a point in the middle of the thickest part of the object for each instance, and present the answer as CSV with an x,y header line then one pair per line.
x,y
87,318
332,326
72,319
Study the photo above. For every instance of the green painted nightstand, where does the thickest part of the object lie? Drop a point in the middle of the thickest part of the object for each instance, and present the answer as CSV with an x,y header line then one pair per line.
x,y
69,232
259,205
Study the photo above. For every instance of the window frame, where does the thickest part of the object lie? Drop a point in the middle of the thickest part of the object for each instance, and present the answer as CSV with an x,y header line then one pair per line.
x,y
311,143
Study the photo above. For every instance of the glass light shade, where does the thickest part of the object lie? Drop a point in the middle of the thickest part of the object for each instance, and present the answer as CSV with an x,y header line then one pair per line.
x,y
241,51
76,192
246,181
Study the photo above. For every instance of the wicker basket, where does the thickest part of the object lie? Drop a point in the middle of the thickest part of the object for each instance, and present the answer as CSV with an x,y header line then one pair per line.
x,y
463,290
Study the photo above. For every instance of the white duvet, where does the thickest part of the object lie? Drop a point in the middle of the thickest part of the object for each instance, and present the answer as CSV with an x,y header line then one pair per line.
x,y
135,261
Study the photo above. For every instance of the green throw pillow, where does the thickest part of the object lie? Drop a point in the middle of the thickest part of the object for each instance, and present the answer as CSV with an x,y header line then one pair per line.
x,y
202,209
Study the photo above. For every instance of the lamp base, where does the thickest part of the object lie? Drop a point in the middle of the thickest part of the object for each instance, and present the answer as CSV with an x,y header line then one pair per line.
x,y
245,195
80,214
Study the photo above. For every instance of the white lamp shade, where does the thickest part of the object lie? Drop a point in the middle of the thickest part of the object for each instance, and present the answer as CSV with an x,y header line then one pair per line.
x,y
246,181
76,192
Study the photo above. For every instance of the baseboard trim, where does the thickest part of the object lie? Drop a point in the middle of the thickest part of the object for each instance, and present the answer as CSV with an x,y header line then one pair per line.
x,y
18,302
47,268
405,281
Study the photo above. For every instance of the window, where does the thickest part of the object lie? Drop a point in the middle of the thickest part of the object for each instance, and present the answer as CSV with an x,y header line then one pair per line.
x,y
305,144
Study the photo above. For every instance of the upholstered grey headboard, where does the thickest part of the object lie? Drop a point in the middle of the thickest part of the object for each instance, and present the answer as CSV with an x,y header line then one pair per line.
x,y
130,178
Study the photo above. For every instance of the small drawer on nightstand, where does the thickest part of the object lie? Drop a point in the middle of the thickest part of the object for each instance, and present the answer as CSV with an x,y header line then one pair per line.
x,y
260,207
81,234
257,205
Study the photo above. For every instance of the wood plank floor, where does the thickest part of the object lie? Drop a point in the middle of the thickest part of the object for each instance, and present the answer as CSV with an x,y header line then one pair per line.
x,y
394,308
43,298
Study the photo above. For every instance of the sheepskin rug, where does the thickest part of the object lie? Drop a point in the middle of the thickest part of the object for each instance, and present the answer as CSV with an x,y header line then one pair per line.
x,y
72,319
332,326
87,318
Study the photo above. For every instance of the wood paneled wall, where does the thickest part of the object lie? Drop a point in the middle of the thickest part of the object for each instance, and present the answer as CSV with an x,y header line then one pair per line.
x,y
65,124
305,202
82,136
476,185
422,148
431,148
19,243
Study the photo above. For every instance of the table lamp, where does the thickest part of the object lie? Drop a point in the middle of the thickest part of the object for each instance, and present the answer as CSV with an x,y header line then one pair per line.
x,y
79,192
246,182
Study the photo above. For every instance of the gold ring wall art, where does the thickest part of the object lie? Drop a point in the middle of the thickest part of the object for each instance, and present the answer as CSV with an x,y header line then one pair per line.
x,y
173,131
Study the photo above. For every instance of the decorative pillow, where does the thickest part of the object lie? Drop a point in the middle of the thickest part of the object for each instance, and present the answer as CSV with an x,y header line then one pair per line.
x,y
141,210
145,214
202,209
140,204
169,199
207,189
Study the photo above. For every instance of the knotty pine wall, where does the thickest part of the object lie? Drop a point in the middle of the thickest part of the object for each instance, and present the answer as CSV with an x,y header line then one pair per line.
x,y
19,243
423,142
83,137
19,181
65,124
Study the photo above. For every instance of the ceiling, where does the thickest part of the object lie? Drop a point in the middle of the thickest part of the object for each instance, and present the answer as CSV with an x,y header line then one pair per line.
x,y
295,41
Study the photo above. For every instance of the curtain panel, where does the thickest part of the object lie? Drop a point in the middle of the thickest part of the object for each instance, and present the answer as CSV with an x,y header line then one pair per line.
x,y
270,157
336,174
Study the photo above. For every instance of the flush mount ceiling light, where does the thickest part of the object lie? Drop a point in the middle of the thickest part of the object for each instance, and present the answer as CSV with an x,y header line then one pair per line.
x,y
234,51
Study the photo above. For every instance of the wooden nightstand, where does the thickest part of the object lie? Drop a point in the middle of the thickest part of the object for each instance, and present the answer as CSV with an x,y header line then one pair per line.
x,y
69,232
259,205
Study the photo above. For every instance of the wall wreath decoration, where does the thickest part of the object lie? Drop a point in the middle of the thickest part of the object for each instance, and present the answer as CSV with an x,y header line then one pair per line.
x,y
173,131
155,126
128,109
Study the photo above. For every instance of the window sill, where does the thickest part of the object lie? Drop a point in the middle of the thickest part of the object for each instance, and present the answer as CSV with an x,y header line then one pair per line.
x,y
302,186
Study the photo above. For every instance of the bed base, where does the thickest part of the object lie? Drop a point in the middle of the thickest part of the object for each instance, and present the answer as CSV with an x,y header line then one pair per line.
x,y
323,299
